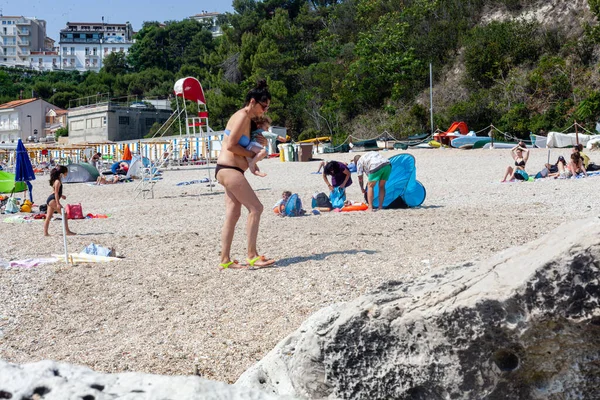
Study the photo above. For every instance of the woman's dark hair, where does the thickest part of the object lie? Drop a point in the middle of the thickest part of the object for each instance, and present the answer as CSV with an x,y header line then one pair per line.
x,y
56,173
332,168
260,93
561,159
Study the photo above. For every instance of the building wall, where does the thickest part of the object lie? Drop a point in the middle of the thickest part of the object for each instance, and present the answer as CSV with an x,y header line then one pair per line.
x,y
82,47
110,123
15,124
20,36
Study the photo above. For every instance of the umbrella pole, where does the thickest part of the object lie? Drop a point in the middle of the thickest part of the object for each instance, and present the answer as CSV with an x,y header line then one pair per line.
x,y
64,230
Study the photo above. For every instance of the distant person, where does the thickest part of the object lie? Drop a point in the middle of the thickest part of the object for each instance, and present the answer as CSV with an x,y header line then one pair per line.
x,y
56,176
96,160
378,170
584,157
520,155
576,165
340,175
558,170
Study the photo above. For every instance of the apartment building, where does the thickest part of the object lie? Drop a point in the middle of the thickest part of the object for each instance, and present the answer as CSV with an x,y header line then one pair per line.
x,y
83,45
19,36
211,19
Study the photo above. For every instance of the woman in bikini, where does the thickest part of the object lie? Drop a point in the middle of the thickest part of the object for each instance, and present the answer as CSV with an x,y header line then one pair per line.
x,y
520,154
231,165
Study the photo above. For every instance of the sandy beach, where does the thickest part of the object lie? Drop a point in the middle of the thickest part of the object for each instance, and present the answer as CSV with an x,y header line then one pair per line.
x,y
166,308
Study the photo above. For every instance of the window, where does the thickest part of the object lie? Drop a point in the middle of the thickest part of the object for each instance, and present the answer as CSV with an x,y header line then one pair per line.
x,y
123,120
95,51
65,51
122,49
105,50
72,50
87,51
72,62
103,121
114,49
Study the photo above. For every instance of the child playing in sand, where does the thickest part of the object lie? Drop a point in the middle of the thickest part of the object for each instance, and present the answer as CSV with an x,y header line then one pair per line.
x,y
53,202
262,128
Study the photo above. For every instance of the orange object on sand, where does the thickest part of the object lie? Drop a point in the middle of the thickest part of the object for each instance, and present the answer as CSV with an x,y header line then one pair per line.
x,y
127,153
355,207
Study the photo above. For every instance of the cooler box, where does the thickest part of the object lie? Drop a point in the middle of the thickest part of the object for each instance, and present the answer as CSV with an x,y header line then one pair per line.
x,y
305,152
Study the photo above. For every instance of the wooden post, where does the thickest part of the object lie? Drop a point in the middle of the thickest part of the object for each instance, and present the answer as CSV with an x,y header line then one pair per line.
x,y
576,134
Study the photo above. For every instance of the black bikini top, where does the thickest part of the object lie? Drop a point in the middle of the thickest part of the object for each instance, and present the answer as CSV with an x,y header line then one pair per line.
x,y
520,163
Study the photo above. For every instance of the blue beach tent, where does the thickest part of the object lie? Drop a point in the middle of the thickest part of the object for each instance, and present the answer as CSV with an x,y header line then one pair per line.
x,y
402,190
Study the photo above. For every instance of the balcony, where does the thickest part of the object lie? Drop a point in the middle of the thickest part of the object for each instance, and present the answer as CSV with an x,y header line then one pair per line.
x,y
24,22
91,55
69,67
23,32
24,42
10,44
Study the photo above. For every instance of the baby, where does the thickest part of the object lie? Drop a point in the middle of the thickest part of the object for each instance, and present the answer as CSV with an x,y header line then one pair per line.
x,y
262,128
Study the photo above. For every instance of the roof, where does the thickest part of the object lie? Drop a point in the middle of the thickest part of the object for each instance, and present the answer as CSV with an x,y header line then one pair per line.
x,y
60,111
208,14
17,103
95,23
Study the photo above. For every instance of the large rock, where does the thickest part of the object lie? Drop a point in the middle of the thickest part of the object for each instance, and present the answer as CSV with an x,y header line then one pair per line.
x,y
49,380
524,324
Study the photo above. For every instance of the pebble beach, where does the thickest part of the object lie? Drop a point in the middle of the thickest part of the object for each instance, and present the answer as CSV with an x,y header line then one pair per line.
x,y
166,308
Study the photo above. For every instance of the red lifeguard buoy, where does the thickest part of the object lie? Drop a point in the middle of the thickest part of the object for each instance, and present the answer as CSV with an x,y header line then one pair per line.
x,y
355,207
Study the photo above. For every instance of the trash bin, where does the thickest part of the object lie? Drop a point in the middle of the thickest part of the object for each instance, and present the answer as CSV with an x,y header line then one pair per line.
x,y
305,152
291,152
281,152
286,152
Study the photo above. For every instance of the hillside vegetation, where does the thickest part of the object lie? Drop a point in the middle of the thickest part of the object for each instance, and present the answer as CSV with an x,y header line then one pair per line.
x,y
339,67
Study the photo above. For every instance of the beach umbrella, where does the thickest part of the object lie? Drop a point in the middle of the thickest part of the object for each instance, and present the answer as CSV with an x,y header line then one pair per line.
x,y
23,169
126,153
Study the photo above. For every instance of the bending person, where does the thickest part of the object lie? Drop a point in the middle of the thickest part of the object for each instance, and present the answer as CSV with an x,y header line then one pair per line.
x,y
231,165
340,175
378,170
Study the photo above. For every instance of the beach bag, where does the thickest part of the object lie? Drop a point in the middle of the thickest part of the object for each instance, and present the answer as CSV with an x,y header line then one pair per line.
x,y
321,200
12,206
74,211
337,197
521,175
293,207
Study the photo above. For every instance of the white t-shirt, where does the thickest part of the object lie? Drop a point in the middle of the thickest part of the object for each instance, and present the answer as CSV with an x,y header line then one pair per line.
x,y
370,162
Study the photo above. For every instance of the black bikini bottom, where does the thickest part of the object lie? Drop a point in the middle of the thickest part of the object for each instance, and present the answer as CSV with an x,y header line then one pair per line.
x,y
220,167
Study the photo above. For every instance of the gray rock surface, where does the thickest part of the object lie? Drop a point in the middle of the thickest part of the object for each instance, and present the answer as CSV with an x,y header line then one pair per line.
x,y
50,380
524,324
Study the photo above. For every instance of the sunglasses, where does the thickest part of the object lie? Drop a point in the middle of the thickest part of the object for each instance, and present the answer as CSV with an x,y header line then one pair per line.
x,y
264,107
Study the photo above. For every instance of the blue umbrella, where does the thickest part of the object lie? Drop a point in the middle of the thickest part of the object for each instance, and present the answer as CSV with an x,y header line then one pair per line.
x,y
23,169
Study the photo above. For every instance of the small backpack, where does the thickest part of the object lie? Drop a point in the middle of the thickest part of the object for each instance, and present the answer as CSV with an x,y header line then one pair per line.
x,y
293,207
321,200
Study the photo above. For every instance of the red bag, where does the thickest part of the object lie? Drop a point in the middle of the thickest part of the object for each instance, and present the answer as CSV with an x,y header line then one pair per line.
x,y
74,211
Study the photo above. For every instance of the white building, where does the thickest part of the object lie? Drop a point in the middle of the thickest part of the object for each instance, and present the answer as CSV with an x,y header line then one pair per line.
x,y
19,36
83,45
21,119
210,19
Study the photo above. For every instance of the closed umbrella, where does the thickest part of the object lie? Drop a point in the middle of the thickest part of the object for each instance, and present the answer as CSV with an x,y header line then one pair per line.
x,y
127,153
23,169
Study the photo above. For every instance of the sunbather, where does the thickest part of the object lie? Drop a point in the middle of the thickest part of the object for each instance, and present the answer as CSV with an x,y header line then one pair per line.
x,y
575,166
103,181
520,154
